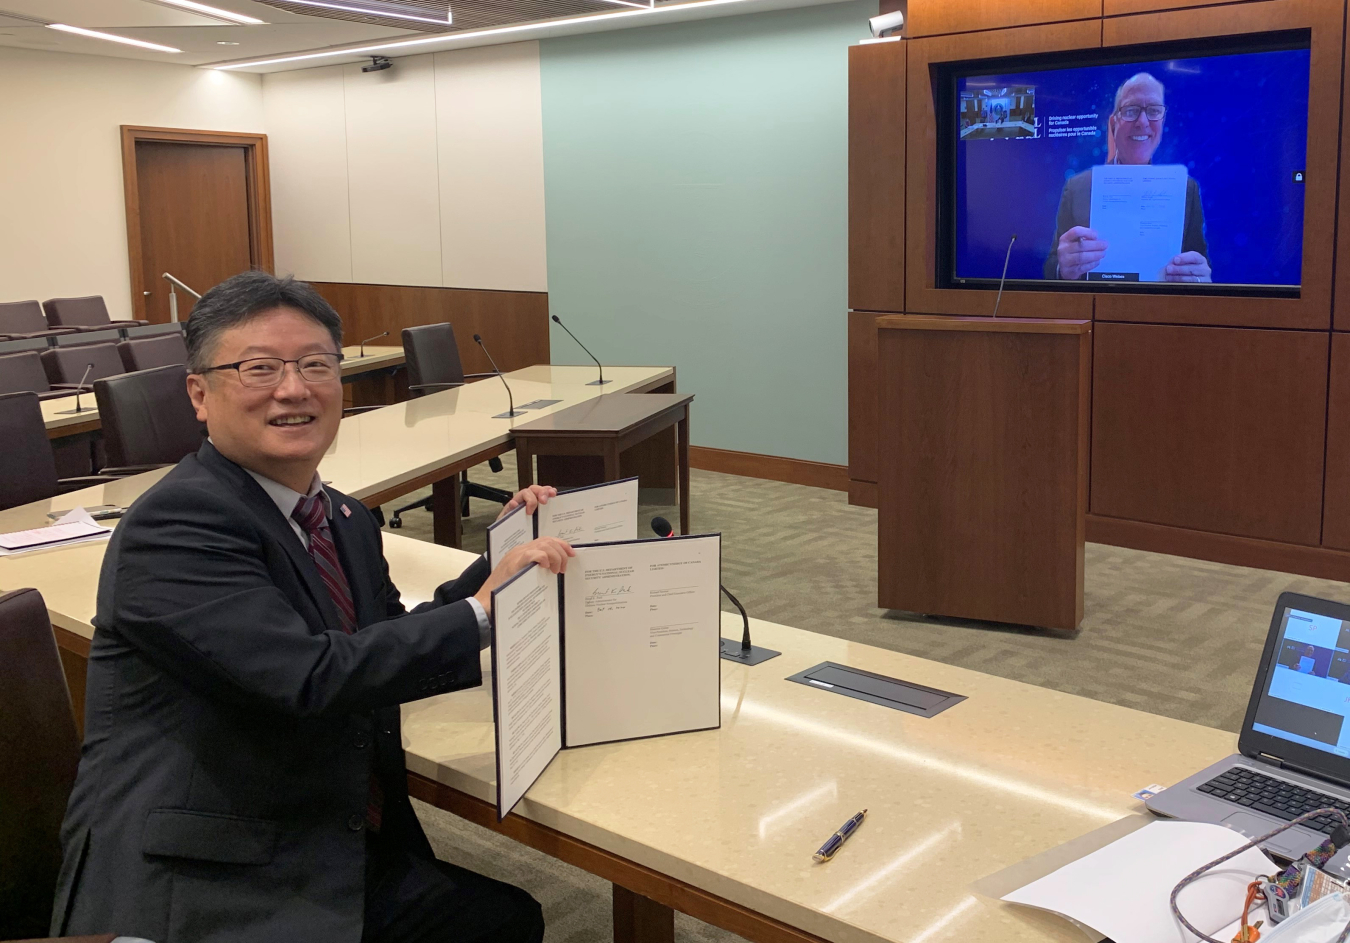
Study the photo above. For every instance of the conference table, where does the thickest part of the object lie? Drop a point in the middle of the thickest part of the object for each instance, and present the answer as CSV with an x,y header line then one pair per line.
x,y
721,824
62,421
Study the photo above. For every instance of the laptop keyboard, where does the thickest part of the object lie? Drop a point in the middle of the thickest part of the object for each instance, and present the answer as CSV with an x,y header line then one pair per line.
x,y
1284,800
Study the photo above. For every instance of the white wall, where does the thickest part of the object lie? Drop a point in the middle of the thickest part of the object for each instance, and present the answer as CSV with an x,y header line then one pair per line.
x,y
429,173
62,209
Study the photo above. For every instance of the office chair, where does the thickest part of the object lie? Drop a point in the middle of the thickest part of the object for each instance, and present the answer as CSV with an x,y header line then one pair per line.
x,y
22,373
148,419
433,364
144,353
21,320
84,314
28,469
41,749
67,365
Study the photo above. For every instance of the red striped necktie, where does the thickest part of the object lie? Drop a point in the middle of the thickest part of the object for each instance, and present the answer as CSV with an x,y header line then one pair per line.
x,y
309,514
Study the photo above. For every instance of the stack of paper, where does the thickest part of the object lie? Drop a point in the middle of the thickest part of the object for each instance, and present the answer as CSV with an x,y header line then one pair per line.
x,y
1123,890
73,528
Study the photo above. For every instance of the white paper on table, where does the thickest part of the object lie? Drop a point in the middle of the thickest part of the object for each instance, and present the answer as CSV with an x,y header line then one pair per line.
x,y
1139,211
642,639
526,681
74,527
591,515
511,531
1122,890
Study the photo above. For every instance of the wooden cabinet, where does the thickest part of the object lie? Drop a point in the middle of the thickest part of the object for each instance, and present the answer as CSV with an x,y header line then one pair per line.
x,y
876,177
1210,429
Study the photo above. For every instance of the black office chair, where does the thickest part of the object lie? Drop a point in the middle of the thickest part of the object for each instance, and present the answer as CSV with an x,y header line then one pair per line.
x,y
41,749
148,419
28,469
144,353
433,364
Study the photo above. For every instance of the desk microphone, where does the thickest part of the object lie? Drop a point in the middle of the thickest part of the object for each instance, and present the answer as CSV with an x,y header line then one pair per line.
x,y
600,382
79,389
1005,274
369,339
510,400
743,651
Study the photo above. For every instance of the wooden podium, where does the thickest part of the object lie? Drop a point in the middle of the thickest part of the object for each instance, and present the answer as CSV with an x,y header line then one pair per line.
x,y
983,456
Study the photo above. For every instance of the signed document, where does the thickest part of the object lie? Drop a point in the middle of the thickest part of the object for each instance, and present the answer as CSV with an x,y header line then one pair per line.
x,y
527,683
1139,211
586,515
643,636
625,644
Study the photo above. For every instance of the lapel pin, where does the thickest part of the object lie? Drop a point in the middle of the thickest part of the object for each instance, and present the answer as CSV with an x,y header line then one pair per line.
x,y
346,511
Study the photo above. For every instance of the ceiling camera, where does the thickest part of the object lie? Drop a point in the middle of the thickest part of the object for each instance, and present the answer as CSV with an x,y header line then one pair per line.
x,y
377,64
887,24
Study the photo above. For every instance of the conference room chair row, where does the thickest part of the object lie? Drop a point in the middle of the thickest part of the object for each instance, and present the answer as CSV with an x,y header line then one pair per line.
x,y
23,320
57,371
147,422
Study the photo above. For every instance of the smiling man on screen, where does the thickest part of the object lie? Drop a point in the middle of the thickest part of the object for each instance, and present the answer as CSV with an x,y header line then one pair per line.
x,y
243,775
1134,131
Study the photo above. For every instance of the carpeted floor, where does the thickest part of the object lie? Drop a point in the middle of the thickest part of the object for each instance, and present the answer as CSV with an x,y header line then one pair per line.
x,y
1163,634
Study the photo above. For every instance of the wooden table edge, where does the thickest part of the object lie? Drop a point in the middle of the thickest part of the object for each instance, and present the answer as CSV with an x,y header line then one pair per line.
x,y
669,892
933,322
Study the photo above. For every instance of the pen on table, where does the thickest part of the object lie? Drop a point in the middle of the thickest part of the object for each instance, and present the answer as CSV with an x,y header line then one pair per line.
x,y
836,841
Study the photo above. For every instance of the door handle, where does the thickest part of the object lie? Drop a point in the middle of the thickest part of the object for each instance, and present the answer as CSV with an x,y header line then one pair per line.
x,y
147,294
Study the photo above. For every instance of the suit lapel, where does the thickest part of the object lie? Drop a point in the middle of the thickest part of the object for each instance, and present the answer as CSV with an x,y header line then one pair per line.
x,y
276,527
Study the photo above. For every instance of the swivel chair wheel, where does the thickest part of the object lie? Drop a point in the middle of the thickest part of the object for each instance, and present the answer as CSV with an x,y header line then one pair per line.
x,y
395,522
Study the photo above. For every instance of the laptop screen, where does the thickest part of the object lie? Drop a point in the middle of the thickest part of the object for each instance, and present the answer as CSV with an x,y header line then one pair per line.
x,y
1307,695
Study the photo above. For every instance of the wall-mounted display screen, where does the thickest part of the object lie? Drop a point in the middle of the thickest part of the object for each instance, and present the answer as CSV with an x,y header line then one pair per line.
x,y
1146,173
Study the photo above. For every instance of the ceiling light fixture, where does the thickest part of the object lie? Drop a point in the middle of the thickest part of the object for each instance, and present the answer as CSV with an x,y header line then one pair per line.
x,y
216,11
633,3
95,34
475,34
383,11
222,42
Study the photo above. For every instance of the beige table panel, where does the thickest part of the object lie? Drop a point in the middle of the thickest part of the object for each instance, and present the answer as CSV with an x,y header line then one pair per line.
x,y
376,358
382,449
60,419
1011,772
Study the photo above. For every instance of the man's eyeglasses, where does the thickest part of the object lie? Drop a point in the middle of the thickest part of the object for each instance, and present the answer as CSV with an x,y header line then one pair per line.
x,y
260,373
1153,112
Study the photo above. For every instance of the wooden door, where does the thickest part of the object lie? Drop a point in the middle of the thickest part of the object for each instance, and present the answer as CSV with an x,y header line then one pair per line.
x,y
193,201
198,207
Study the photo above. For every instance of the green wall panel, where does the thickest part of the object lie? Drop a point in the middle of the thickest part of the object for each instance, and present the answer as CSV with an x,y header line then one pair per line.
x,y
696,198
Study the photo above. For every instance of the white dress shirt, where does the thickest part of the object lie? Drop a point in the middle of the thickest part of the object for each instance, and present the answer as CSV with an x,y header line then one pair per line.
x,y
287,498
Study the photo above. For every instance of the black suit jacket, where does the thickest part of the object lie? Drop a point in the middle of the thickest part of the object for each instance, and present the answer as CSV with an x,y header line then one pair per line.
x,y
232,727
1075,209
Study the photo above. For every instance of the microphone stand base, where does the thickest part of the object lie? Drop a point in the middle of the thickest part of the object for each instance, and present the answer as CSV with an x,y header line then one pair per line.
x,y
731,651
509,415
599,382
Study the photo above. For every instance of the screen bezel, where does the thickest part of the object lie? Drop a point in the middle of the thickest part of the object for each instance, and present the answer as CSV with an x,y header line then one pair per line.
x,y
1253,743
945,77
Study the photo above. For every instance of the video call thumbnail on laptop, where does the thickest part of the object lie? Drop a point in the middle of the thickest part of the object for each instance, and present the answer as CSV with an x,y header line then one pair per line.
x,y
1294,747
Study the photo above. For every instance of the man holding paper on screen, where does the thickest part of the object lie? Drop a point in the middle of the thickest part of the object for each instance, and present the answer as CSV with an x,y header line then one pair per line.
x,y
1134,131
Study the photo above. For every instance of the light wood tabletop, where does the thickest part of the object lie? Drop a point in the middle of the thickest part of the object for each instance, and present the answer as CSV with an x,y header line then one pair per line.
x,y
376,358
722,823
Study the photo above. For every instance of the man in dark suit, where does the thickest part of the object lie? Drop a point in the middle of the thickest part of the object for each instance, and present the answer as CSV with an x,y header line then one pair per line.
x,y
243,775
1134,131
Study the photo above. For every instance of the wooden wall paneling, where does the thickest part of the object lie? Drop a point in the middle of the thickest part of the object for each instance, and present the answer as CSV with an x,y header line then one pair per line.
x,y
876,176
1210,429
921,294
1341,302
1312,309
862,396
514,324
1336,493
936,17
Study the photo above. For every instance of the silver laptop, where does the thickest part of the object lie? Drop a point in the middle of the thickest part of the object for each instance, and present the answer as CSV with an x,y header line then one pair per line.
x,y
1294,749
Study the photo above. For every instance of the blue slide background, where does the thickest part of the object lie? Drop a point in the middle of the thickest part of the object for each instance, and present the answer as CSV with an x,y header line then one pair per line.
x,y
1238,123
